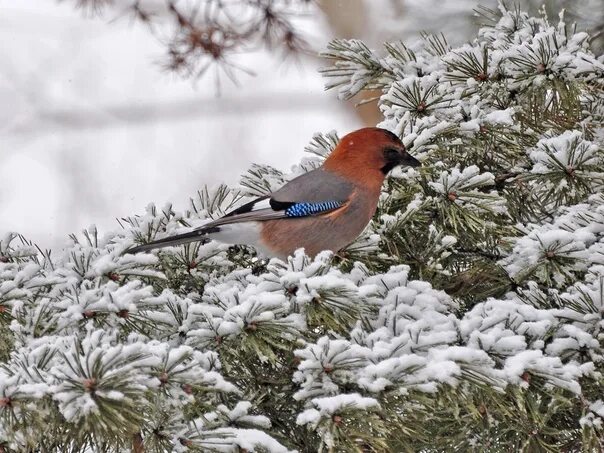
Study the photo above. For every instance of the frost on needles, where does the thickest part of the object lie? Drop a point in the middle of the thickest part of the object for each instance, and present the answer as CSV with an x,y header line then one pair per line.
x,y
468,317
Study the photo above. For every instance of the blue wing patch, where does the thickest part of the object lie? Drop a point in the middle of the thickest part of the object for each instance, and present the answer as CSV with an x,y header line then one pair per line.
x,y
305,209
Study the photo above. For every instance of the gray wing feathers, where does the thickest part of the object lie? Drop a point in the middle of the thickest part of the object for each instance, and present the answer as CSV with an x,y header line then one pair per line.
x,y
315,186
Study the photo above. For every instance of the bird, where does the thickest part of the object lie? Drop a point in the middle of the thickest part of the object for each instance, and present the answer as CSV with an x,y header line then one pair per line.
x,y
324,209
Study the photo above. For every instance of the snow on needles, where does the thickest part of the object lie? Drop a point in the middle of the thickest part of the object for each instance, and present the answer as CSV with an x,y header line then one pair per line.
x,y
210,348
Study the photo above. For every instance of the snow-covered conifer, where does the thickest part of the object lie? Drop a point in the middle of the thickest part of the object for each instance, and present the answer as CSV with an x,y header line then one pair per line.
x,y
467,317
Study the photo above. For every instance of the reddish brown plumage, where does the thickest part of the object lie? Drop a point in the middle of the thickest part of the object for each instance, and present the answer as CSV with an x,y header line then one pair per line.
x,y
359,157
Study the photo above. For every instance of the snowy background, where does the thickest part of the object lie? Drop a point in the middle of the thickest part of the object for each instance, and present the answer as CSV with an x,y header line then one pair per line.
x,y
91,128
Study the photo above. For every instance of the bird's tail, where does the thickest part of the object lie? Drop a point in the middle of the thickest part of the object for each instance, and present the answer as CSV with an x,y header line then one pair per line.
x,y
192,236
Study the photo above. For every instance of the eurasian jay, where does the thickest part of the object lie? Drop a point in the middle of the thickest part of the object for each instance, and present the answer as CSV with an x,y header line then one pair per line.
x,y
324,209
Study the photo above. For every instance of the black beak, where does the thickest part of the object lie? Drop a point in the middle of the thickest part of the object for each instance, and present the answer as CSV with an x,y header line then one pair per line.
x,y
409,161
395,157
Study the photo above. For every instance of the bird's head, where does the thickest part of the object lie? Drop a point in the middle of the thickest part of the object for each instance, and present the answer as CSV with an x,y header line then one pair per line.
x,y
368,154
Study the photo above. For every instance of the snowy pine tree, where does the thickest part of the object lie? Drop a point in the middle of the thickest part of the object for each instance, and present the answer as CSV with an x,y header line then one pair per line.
x,y
468,317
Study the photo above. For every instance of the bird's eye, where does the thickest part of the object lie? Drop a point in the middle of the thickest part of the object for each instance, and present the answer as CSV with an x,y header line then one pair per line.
x,y
391,154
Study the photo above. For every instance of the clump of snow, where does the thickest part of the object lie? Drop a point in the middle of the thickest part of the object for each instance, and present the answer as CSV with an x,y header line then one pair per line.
x,y
329,406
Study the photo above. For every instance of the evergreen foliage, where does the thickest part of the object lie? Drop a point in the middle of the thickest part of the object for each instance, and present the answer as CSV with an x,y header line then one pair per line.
x,y
468,317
